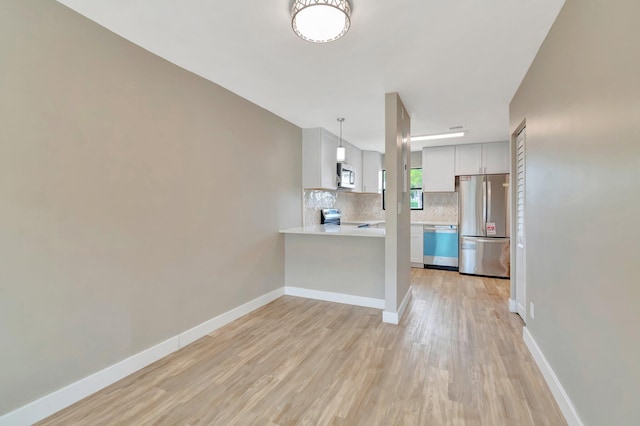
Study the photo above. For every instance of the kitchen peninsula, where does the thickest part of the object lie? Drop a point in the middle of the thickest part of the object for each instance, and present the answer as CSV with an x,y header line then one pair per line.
x,y
338,263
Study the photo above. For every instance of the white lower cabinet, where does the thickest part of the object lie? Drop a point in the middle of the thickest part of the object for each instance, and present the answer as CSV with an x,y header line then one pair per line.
x,y
417,251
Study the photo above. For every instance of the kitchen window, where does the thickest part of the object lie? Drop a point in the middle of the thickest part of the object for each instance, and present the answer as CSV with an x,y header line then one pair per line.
x,y
416,200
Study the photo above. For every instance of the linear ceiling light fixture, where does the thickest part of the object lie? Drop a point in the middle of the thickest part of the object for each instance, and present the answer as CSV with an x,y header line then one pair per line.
x,y
320,21
341,153
437,136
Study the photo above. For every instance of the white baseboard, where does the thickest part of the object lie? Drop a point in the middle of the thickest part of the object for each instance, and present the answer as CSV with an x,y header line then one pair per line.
x,y
513,307
68,395
560,395
213,324
62,398
390,317
327,296
395,317
405,302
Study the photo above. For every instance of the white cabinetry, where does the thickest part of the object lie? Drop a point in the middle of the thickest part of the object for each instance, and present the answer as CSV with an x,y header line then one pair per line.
x,y
495,157
371,171
438,165
482,158
354,159
468,159
417,251
319,159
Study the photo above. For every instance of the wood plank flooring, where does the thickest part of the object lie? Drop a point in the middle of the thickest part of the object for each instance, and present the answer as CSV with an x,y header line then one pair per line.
x,y
457,358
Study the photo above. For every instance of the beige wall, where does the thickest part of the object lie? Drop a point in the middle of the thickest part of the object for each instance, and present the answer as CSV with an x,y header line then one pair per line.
x,y
397,217
356,269
125,215
580,100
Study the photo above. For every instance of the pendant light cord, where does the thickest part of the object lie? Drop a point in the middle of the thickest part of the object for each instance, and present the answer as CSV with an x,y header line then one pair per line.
x,y
340,120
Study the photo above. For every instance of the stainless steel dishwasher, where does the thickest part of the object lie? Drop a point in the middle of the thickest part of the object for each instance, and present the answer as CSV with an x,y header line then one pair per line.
x,y
441,246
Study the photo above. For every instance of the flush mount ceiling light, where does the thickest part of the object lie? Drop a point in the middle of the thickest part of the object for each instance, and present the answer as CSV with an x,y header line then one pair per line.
x,y
437,136
320,21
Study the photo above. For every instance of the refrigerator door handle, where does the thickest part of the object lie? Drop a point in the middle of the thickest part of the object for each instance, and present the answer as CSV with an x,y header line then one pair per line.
x,y
484,205
489,215
486,240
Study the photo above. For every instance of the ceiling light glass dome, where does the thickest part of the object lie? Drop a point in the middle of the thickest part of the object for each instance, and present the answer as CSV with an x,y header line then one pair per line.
x,y
320,21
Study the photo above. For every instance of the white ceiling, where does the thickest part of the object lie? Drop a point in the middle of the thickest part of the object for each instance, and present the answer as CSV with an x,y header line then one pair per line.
x,y
453,62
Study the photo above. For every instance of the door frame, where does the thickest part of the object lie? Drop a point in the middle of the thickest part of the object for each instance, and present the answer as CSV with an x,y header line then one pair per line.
x,y
513,306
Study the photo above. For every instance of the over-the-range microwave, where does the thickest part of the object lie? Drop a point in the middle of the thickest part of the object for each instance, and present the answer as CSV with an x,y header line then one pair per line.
x,y
346,176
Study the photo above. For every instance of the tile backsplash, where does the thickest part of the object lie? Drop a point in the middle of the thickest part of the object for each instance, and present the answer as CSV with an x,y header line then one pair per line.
x,y
439,207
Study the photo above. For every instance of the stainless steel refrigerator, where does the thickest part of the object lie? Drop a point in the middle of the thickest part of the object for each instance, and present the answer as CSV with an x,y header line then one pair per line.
x,y
484,225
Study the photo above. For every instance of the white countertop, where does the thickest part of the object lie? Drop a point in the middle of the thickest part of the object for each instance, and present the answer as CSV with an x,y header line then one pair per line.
x,y
339,230
362,222
432,222
377,222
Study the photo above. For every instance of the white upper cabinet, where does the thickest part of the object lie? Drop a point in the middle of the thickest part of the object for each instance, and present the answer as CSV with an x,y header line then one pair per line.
x,y
468,159
371,171
496,157
485,158
319,159
438,169
354,159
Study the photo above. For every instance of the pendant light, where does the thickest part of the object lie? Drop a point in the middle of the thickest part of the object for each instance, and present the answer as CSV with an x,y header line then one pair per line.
x,y
341,153
320,21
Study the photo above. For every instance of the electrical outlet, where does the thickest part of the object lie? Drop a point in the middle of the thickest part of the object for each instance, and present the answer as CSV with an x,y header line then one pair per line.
x,y
532,311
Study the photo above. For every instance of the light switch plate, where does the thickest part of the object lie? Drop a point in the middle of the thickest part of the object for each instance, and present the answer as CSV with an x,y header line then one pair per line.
x,y
532,311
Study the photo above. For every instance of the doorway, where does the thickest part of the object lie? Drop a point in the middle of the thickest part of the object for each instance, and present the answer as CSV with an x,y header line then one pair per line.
x,y
520,207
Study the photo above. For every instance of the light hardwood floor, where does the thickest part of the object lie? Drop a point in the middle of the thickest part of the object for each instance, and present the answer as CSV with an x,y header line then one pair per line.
x,y
457,358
